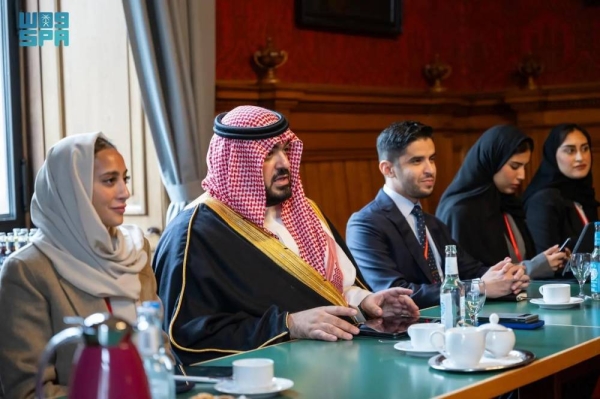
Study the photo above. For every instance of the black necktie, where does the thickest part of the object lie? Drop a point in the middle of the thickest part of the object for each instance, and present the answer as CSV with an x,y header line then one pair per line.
x,y
422,236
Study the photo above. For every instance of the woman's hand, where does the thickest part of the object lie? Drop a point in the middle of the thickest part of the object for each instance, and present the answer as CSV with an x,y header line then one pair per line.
x,y
555,258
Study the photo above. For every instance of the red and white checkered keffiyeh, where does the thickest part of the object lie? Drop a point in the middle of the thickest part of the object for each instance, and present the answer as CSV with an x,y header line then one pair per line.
x,y
235,177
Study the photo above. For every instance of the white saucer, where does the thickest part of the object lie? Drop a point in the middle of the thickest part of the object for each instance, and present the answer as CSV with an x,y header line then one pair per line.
x,y
573,302
406,346
279,384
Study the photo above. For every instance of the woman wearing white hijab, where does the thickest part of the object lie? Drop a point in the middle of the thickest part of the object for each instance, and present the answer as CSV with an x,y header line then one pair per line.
x,y
81,261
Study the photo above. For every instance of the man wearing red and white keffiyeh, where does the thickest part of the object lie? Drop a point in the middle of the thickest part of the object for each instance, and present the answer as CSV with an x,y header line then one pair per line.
x,y
260,179
253,262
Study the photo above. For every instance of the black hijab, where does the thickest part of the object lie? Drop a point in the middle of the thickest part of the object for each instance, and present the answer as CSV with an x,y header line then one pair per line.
x,y
549,175
473,207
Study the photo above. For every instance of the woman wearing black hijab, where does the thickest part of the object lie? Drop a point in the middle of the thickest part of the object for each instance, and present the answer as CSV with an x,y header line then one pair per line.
x,y
560,199
482,210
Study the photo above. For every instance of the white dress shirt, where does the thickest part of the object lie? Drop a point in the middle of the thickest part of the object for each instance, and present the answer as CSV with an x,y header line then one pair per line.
x,y
406,206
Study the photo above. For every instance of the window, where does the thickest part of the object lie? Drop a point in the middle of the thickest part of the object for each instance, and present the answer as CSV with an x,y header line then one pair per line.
x,y
11,149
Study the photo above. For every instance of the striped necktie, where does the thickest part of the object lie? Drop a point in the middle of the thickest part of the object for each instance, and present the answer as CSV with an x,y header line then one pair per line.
x,y
422,236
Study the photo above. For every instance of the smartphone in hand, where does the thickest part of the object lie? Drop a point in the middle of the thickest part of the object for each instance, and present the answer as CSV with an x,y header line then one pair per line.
x,y
564,245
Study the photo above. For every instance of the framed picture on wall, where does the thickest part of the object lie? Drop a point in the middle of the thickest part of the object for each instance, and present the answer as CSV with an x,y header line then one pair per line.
x,y
368,17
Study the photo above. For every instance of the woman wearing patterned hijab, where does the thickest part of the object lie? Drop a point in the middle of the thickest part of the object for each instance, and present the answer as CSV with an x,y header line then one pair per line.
x,y
81,261
560,199
481,207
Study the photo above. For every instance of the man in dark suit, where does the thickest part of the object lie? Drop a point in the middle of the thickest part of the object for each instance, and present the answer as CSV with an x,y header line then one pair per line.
x,y
396,244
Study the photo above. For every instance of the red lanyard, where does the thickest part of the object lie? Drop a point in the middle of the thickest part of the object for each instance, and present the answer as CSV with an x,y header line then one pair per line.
x,y
512,239
107,300
426,251
582,216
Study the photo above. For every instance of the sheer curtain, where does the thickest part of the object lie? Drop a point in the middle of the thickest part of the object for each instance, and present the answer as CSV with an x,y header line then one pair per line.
x,y
173,43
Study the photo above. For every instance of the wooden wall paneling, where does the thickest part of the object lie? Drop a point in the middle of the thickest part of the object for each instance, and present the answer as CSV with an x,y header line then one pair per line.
x,y
339,126
594,131
309,173
451,148
340,187
538,115
538,136
447,163
345,186
596,175
593,128
332,184
361,187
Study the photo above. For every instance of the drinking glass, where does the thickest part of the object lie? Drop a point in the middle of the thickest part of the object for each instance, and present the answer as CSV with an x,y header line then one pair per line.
x,y
474,298
580,266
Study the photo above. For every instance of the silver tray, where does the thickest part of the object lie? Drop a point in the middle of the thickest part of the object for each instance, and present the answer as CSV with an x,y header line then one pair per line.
x,y
522,358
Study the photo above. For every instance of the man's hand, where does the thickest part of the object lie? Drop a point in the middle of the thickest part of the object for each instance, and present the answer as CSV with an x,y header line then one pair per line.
x,y
504,278
322,323
391,302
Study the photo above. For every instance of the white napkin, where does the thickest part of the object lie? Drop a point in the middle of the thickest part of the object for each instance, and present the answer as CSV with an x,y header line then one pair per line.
x,y
512,358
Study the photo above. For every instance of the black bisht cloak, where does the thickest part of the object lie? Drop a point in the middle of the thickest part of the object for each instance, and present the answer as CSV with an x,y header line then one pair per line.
x,y
231,296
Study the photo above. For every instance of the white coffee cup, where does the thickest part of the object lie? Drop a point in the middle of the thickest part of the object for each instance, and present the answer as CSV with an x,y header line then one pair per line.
x,y
253,374
419,335
463,346
556,293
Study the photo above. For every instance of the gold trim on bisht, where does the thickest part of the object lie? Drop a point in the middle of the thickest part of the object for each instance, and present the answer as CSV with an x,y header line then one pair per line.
x,y
271,247
276,251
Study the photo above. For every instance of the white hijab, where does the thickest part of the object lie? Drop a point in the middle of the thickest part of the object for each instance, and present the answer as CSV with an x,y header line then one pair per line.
x,y
72,235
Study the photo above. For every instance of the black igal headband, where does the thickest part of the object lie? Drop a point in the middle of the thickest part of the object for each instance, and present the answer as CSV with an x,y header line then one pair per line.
x,y
250,133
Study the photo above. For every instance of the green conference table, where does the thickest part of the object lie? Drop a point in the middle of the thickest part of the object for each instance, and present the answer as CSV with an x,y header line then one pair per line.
x,y
368,368
585,315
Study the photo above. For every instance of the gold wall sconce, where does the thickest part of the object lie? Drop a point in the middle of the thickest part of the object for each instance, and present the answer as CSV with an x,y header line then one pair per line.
x,y
530,68
268,59
435,72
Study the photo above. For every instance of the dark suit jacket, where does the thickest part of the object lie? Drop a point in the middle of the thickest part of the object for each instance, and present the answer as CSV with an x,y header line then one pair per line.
x,y
389,255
